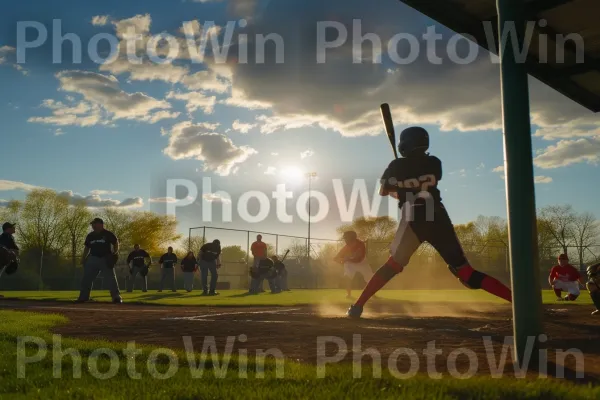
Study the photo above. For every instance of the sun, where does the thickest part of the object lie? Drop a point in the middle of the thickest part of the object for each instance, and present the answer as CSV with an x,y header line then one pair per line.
x,y
292,174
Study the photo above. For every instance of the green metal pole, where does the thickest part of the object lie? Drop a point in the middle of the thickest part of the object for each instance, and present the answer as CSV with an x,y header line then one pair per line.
x,y
520,192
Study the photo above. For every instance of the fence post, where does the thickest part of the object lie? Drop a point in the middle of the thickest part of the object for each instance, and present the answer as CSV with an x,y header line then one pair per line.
x,y
41,284
276,244
203,235
190,240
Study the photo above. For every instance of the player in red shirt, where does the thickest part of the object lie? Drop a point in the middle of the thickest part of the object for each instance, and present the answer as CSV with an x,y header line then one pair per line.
x,y
354,258
565,277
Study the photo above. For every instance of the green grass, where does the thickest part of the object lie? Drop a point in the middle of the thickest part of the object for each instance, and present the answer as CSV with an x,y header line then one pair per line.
x,y
298,381
296,297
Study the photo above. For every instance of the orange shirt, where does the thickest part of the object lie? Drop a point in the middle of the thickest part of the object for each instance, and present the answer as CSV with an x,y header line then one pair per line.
x,y
259,249
354,252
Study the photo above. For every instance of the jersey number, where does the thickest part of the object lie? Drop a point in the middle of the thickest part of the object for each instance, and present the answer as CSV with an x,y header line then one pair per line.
x,y
424,182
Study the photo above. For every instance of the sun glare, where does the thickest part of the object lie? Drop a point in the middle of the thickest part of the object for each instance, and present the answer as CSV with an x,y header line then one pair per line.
x,y
292,174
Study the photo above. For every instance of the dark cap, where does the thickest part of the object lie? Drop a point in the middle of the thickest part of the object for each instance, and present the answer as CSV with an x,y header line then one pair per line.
x,y
97,221
7,225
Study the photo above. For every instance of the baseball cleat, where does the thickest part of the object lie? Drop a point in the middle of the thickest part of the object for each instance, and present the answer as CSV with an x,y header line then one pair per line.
x,y
597,312
117,301
354,311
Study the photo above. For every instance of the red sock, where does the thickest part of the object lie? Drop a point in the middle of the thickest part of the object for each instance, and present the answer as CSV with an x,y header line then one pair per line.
x,y
376,283
558,292
489,284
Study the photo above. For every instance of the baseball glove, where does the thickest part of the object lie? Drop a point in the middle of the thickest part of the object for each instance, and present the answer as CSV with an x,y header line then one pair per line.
x,y
144,272
10,259
111,260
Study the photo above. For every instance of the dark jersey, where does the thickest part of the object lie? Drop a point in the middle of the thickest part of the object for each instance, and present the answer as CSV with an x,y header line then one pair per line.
x,y
279,266
210,252
7,240
413,178
189,264
99,243
138,258
168,260
265,266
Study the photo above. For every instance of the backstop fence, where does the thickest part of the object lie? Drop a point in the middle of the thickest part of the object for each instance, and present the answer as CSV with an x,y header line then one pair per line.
x,y
310,264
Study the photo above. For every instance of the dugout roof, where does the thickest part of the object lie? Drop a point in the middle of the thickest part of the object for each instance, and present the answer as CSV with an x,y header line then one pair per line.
x,y
578,81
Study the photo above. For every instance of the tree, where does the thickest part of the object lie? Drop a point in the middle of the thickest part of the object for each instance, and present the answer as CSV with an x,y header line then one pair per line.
x,y
558,222
41,221
585,234
233,254
118,221
76,225
153,232
187,244
378,229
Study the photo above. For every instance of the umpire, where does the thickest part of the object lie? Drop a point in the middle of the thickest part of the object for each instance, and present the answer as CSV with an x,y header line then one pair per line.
x,y
138,266
99,257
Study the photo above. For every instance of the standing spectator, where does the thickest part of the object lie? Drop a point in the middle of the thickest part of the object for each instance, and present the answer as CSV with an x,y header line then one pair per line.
x,y
167,262
99,257
565,277
210,261
282,274
9,260
259,253
139,262
189,266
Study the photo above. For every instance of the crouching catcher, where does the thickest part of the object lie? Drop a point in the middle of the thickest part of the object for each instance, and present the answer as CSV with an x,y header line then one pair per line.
x,y
413,180
593,285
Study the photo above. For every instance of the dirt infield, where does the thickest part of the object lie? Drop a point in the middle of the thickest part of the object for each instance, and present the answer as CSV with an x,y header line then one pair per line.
x,y
294,330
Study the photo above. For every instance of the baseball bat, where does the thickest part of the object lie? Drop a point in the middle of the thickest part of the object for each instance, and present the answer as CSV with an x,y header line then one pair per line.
x,y
388,122
285,255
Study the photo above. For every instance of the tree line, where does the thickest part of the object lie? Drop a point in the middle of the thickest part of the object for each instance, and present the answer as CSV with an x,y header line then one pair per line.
x,y
51,230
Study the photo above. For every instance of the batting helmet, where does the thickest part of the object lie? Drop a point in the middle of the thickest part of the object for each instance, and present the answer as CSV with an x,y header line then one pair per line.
x,y
413,141
350,235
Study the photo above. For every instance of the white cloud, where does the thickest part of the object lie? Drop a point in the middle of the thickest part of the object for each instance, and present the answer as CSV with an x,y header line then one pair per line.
x,y
274,154
4,203
499,169
271,171
195,101
543,179
7,56
201,142
166,199
100,20
306,154
13,185
342,95
4,52
480,166
82,114
216,198
95,201
104,192
568,152
242,127
59,132
103,102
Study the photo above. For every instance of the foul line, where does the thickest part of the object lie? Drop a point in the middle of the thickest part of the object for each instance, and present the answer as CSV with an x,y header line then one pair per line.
x,y
201,317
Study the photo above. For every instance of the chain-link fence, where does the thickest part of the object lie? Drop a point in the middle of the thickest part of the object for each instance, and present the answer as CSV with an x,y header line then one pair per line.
x,y
306,269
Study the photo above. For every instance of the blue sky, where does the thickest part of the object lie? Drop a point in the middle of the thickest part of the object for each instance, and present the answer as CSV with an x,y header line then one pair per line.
x,y
116,132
